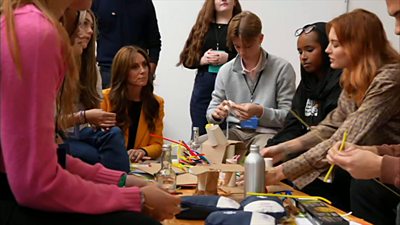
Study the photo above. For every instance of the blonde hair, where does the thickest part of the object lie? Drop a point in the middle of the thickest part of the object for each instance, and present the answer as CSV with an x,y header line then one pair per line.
x,y
364,40
67,95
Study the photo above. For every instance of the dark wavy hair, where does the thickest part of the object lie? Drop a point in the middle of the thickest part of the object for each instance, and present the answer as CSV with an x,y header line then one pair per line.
x,y
122,64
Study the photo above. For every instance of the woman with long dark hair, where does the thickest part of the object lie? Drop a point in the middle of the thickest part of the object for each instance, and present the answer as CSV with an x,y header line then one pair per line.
x,y
93,138
139,111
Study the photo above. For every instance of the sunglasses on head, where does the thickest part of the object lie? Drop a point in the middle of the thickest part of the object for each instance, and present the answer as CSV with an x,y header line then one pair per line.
x,y
305,30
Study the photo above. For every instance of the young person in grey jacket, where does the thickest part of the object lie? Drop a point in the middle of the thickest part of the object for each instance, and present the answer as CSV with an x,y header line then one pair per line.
x,y
253,92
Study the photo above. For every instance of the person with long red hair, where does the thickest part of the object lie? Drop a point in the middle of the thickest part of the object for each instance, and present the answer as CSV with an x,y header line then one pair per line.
x,y
206,50
371,89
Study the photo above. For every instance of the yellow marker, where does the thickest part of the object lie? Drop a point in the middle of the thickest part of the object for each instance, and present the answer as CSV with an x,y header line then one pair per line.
x,y
290,196
328,174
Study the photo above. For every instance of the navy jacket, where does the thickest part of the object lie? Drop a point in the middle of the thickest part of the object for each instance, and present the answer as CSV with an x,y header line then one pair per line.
x,y
126,22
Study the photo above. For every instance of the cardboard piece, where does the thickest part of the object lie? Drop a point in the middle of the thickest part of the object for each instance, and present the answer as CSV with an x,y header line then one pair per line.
x,y
216,149
200,169
215,136
151,169
217,154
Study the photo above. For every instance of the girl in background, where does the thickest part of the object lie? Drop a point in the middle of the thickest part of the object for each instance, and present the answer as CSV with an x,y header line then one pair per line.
x,y
94,139
206,50
139,111
42,189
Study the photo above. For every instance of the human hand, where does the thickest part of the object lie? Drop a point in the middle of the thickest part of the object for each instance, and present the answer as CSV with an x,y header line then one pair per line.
x,y
101,118
274,175
137,155
217,57
222,110
134,181
350,146
245,111
276,152
206,57
159,204
360,163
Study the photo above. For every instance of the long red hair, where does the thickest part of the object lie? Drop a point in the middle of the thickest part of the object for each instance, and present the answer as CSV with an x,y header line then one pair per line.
x,y
364,40
191,52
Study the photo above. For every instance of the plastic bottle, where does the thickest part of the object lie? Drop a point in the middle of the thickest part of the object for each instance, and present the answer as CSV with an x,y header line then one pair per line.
x,y
194,143
166,176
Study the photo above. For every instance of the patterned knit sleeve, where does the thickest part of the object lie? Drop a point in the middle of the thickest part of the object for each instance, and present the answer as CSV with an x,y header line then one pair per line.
x,y
368,120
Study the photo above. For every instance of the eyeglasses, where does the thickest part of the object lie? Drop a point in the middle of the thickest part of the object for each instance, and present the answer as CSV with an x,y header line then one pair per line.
x,y
305,30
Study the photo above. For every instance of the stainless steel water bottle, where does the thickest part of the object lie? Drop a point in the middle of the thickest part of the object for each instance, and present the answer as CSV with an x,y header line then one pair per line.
x,y
254,171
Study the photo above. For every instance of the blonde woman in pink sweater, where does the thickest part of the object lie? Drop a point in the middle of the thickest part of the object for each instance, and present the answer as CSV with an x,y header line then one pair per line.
x,y
37,184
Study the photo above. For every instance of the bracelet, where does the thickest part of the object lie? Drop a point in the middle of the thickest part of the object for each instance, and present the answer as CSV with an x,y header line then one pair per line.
x,y
122,181
84,116
145,152
81,117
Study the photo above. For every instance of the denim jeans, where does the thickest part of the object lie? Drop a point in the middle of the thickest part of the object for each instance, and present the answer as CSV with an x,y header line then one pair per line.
x,y
96,146
201,97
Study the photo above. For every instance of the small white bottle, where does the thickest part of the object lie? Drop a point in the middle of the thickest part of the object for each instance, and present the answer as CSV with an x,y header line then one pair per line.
x,y
166,176
254,171
194,143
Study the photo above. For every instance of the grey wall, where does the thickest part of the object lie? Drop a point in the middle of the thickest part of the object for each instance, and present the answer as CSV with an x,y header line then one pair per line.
x,y
280,19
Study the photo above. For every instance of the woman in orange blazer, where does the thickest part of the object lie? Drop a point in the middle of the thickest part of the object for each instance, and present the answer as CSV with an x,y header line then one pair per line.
x,y
139,111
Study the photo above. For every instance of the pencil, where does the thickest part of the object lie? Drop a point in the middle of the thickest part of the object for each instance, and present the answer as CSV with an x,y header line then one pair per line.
x,y
328,174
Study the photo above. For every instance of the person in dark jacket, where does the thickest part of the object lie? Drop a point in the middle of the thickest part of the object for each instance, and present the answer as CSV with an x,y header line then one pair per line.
x,y
319,88
124,23
206,50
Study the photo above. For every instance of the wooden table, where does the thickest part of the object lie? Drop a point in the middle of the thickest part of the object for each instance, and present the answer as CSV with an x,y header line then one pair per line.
x,y
201,222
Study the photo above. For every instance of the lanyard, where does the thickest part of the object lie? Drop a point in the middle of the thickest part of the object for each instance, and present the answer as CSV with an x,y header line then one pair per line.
x,y
255,86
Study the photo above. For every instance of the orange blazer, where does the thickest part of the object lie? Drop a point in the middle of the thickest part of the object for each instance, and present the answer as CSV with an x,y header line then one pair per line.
x,y
143,140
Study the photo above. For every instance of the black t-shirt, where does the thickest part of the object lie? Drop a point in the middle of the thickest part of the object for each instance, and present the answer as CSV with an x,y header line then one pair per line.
x,y
134,110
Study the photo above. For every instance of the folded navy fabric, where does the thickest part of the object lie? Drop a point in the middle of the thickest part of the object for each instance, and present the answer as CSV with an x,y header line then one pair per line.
x,y
239,218
200,206
268,205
